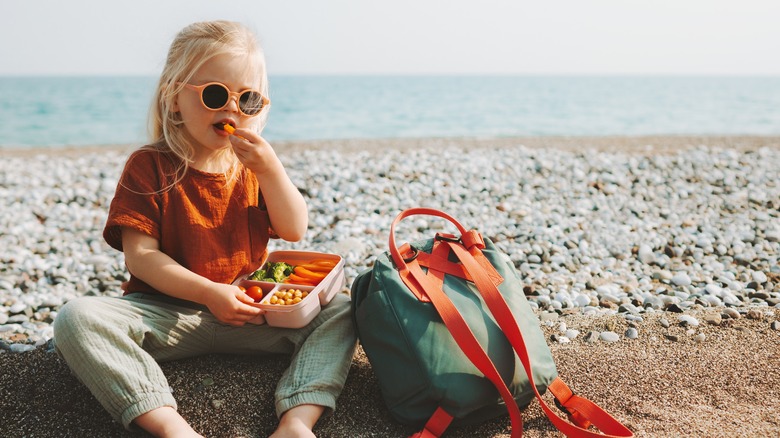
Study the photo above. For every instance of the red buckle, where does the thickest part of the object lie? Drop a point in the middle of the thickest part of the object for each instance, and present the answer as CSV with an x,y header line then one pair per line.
x,y
408,253
574,416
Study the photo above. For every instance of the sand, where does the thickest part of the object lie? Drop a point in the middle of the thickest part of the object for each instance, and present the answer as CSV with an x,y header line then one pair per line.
x,y
727,385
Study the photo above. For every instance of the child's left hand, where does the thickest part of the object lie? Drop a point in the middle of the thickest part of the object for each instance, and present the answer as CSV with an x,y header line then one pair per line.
x,y
253,151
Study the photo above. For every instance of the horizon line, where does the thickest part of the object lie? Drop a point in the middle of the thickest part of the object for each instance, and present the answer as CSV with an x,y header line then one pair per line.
x,y
409,74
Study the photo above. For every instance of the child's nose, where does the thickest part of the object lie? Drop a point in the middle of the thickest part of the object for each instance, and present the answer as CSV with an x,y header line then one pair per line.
x,y
232,104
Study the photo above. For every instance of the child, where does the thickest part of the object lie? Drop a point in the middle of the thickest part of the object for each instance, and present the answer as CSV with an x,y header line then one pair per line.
x,y
192,212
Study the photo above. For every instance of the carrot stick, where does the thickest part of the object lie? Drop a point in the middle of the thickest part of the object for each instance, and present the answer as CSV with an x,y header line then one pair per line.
x,y
305,273
295,279
316,268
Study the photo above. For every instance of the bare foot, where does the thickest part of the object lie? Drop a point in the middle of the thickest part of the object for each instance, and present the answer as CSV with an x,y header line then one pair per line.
x,y
165,422
298,422
293,430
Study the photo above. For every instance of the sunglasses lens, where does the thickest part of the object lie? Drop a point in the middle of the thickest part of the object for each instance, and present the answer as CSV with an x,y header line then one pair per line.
x,y
215,96
250,102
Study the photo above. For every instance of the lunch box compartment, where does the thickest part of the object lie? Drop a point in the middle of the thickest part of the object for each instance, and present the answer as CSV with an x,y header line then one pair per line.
x,y
299,314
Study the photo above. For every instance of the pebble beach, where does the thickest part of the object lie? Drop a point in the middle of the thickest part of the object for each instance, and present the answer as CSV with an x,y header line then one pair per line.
x,y
651,262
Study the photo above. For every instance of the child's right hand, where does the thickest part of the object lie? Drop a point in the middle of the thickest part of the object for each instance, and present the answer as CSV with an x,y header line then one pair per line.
x,y
231,305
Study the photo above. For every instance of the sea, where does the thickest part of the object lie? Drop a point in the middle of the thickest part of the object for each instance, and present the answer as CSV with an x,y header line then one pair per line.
x,y
41,112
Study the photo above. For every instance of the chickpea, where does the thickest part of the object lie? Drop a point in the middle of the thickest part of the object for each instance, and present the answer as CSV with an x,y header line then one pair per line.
x,y
287,297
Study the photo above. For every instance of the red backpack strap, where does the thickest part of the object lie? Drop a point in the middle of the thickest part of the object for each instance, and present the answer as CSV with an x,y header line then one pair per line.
x,y
465,339
580,410
436,425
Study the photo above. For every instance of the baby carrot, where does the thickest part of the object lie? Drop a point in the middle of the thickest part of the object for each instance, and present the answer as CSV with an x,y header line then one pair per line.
x,y
316,268
295,279
305,273
322,262
231,130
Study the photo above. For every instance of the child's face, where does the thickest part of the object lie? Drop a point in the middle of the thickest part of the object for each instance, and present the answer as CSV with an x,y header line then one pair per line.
x,y
237,74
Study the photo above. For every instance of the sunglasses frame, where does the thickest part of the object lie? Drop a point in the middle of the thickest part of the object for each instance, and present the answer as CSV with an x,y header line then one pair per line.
x,y
200,88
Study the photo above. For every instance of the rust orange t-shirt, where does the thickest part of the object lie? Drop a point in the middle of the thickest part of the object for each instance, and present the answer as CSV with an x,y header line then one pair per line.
x,y
211,226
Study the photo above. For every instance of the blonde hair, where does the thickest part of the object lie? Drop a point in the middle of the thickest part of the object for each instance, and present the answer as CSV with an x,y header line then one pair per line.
x,y
192,47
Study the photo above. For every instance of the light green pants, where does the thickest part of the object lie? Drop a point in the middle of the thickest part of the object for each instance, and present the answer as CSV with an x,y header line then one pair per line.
x,y
113,345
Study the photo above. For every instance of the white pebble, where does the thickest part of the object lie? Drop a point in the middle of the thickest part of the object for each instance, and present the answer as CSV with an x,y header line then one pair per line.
x,y
609,336
688,320
17,308
713,289
645,254
681,279
713,300
21,348
582,300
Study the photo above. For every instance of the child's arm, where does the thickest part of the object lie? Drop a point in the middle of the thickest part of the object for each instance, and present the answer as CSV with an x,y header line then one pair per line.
x,y
145,260
286,206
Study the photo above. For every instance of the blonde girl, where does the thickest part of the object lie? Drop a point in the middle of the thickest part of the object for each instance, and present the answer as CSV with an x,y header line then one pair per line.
x,y
192,212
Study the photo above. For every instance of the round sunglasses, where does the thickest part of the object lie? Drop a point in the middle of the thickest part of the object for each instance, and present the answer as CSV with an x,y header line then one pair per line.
x,y
216,96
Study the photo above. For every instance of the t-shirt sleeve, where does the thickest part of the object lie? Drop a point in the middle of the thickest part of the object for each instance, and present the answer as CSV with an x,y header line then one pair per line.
x,y
137,200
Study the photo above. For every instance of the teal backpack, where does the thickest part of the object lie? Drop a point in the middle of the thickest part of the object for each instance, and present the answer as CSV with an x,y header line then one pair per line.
x,y
452,339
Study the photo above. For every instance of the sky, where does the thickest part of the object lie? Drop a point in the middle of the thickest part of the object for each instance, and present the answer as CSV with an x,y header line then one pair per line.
x,y
428,37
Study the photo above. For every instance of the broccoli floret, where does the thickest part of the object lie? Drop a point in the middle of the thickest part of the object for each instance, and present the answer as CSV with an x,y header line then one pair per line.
x,y
280,271
258,275
273,272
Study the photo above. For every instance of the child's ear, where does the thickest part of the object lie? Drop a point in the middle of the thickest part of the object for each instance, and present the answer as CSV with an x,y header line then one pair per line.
x,y
175,104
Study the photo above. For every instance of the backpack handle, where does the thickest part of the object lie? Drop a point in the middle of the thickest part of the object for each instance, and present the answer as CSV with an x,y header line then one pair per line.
x,y
394,252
